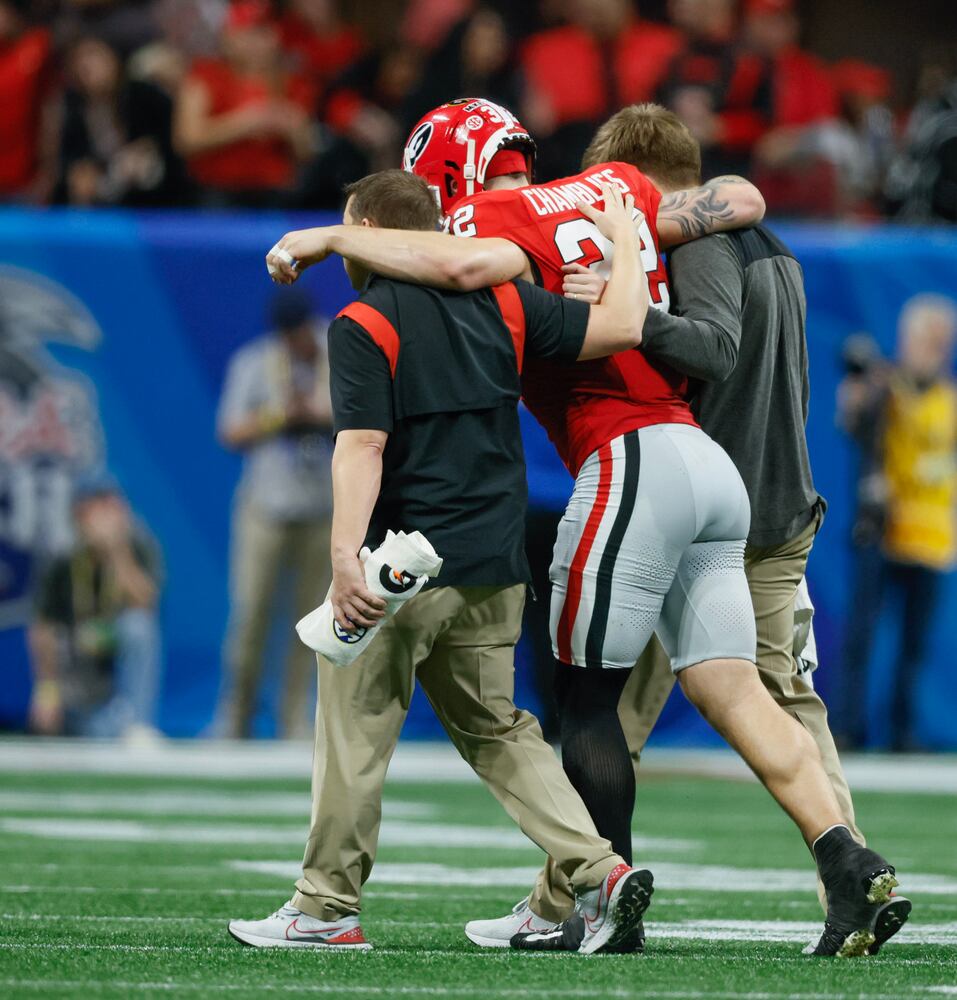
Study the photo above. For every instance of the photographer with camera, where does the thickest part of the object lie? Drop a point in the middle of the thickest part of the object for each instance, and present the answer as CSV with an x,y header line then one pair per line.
x,y
903,418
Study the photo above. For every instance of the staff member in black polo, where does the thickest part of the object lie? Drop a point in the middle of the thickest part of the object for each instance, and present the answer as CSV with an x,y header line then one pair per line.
x,y
425,388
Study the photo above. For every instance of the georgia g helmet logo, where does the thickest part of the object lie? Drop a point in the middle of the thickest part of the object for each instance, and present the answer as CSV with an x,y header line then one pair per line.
x,y
452,146
416,145
348,637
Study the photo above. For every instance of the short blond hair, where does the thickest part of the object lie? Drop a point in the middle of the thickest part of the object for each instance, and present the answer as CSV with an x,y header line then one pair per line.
x,y
651,138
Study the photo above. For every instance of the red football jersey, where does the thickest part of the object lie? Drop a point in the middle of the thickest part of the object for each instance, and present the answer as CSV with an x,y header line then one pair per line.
x,y
583,406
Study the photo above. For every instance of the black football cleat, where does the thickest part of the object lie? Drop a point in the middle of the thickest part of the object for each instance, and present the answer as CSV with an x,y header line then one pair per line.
x,y
891,917
858,882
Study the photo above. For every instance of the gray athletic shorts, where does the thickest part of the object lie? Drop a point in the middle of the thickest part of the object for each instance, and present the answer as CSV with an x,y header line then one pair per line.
x,y
653,540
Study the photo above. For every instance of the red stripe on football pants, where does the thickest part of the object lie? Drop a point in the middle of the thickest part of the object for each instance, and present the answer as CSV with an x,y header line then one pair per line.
x,y
573,590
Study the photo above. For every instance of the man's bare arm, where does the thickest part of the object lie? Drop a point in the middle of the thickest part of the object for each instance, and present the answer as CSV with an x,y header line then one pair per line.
x,y
356,478
425,258
721,204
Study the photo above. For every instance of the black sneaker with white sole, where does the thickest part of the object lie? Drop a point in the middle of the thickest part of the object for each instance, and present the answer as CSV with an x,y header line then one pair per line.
x,y
568,935
606,920
858,882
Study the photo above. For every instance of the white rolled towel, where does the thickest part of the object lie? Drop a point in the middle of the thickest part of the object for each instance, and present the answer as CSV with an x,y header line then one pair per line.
x,y
398,569
805,645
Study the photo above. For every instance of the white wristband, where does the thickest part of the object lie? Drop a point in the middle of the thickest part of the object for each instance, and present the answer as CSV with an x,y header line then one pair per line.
x,y
284,255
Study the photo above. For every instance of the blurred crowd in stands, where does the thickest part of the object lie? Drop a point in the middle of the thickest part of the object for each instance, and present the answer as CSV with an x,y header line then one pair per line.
x,y
278,104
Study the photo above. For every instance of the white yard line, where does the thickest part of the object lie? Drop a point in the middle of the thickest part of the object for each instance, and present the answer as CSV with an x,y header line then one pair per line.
x,y
61,888
198,802
669,875
393,833
418,762
793,931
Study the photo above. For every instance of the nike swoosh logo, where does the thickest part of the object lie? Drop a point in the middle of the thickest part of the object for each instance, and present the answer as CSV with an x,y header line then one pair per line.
x,y
294,926
592,922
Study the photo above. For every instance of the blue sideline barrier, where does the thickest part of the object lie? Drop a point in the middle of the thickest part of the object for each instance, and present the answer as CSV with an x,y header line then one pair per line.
x,y
132,319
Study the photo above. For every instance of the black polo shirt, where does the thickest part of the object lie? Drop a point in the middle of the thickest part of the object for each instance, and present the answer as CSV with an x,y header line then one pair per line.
x,y
439,372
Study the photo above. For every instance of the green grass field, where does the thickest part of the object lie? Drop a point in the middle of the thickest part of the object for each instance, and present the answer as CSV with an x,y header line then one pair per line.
x,y
121,886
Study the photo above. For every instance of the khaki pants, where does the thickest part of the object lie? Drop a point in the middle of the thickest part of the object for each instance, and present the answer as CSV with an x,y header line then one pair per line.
x,y
773,577
264,552
459,644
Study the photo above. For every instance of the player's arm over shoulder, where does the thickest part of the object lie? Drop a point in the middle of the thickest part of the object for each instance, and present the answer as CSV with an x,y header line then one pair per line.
x,y
428,258
722,203
484,258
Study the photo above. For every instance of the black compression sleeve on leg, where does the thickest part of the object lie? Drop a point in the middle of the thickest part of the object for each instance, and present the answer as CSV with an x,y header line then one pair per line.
x,y
594,750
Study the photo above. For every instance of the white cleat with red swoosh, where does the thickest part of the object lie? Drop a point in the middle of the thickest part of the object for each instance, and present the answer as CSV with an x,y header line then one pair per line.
x,y
291,928
499,932
612,913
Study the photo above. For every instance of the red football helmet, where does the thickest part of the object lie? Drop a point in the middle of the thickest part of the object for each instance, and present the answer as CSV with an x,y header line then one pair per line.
x,y
452,147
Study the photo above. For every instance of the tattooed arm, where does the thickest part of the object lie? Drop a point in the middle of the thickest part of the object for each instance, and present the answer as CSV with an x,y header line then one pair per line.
x,y
723,203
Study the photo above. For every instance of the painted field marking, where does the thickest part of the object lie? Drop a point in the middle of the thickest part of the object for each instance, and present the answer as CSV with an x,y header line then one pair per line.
x,y
692,930
393,833
100,890
151,802
668,875
420,763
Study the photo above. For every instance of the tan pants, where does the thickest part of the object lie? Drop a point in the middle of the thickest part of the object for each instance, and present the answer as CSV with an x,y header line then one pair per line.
x,y
459,643
773,577
264,553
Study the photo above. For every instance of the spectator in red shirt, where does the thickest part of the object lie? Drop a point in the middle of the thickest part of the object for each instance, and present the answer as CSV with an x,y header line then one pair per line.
x,y
794,174
802,89
313,32
242,121
24,86
580,73
722,92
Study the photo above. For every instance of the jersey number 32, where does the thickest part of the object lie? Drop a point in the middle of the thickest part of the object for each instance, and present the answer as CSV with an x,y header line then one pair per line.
x,y
580,242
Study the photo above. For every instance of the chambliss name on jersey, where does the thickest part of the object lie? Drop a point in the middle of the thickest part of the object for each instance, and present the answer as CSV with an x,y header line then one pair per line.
x,y
586,405
559,197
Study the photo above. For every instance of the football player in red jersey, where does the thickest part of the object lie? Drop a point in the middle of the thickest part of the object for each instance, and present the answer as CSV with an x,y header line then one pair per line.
x,y
653,536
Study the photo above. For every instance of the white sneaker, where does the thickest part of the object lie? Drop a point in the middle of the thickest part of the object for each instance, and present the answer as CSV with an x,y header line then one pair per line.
x,y
291,928
498,933
612,913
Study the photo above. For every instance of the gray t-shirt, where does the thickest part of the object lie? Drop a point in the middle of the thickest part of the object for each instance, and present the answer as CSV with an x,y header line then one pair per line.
x,y
739,327
287,476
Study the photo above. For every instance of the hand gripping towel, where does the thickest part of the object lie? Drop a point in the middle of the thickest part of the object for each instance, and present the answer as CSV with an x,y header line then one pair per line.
x,y
398,569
